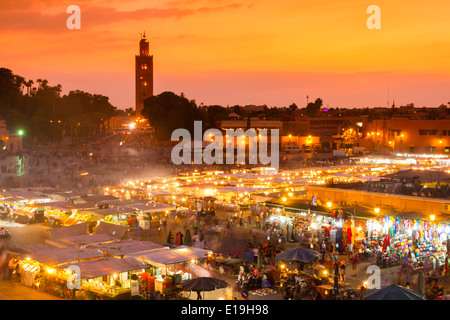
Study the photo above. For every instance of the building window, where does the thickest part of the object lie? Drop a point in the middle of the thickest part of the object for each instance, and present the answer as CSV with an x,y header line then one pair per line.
x,y
432,149
432,132
447,149
411,149
444,132
144,67
423,132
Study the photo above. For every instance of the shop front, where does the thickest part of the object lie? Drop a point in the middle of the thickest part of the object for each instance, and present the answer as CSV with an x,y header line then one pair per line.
x,y
39,269
425,242
29,213
105,279
151,215
169,267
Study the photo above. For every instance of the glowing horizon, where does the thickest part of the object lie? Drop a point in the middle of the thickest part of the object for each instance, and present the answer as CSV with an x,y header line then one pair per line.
x,y
227,52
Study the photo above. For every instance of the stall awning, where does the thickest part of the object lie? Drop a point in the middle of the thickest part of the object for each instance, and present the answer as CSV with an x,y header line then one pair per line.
x,y
69,231
157,193
66,206
108,211
88,239
78,233
126,247
163,257
32,248
106,266
96,199
239,190
57,256
150,207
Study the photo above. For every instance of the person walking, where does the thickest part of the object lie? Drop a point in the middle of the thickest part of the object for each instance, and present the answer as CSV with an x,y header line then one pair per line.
x,y
350,251
323,248
355,261
342,271
409,268
255,254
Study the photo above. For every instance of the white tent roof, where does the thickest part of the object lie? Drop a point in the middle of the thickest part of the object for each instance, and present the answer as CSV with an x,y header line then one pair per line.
x,y
106,266
239,189
163,257
153,207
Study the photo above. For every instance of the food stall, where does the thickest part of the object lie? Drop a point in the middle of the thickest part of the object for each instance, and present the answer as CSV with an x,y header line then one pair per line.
x,y
58,213
170,266
419,239
123,248
20,205
236,197
39,269
150,214
107,278
29,213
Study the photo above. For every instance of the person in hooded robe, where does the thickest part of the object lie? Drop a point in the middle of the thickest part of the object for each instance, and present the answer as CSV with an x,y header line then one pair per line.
x,y
177,238
181,238
169,237
249,255
188,238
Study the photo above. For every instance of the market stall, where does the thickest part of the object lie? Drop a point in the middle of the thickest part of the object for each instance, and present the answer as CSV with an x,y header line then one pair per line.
x,y
124,248
425,242
29,213
79,235
170,266
151,214
58,213
107,278
39,269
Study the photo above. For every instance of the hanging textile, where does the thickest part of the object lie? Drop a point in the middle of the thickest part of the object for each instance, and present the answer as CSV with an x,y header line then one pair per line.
x,y
349,235
386,242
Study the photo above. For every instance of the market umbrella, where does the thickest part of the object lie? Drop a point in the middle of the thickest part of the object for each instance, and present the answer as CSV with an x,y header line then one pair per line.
x,y
188,238
393,292
302,255
203,284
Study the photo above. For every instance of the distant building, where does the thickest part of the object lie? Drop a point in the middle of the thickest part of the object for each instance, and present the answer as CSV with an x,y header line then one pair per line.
x,y
9,141
143,74
253,108
404,135
144,89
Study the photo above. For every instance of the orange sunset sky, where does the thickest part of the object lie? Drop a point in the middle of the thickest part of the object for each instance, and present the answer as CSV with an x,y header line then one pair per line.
x,y
231,52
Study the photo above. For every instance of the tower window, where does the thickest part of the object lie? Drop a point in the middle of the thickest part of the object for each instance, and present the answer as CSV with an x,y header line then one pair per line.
x,y
144,67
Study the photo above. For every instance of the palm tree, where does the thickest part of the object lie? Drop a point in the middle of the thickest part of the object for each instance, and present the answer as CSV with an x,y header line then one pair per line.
x,y
28,84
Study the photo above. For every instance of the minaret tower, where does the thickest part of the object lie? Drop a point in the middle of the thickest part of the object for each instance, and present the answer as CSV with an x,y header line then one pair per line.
x,y
144,74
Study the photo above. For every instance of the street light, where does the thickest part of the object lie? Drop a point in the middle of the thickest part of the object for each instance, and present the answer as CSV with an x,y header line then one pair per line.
x,y
329,204
20,133
432,217
377,210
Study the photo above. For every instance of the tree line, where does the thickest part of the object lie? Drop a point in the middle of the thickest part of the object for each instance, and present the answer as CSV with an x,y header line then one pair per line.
x,y
168,111
45,115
